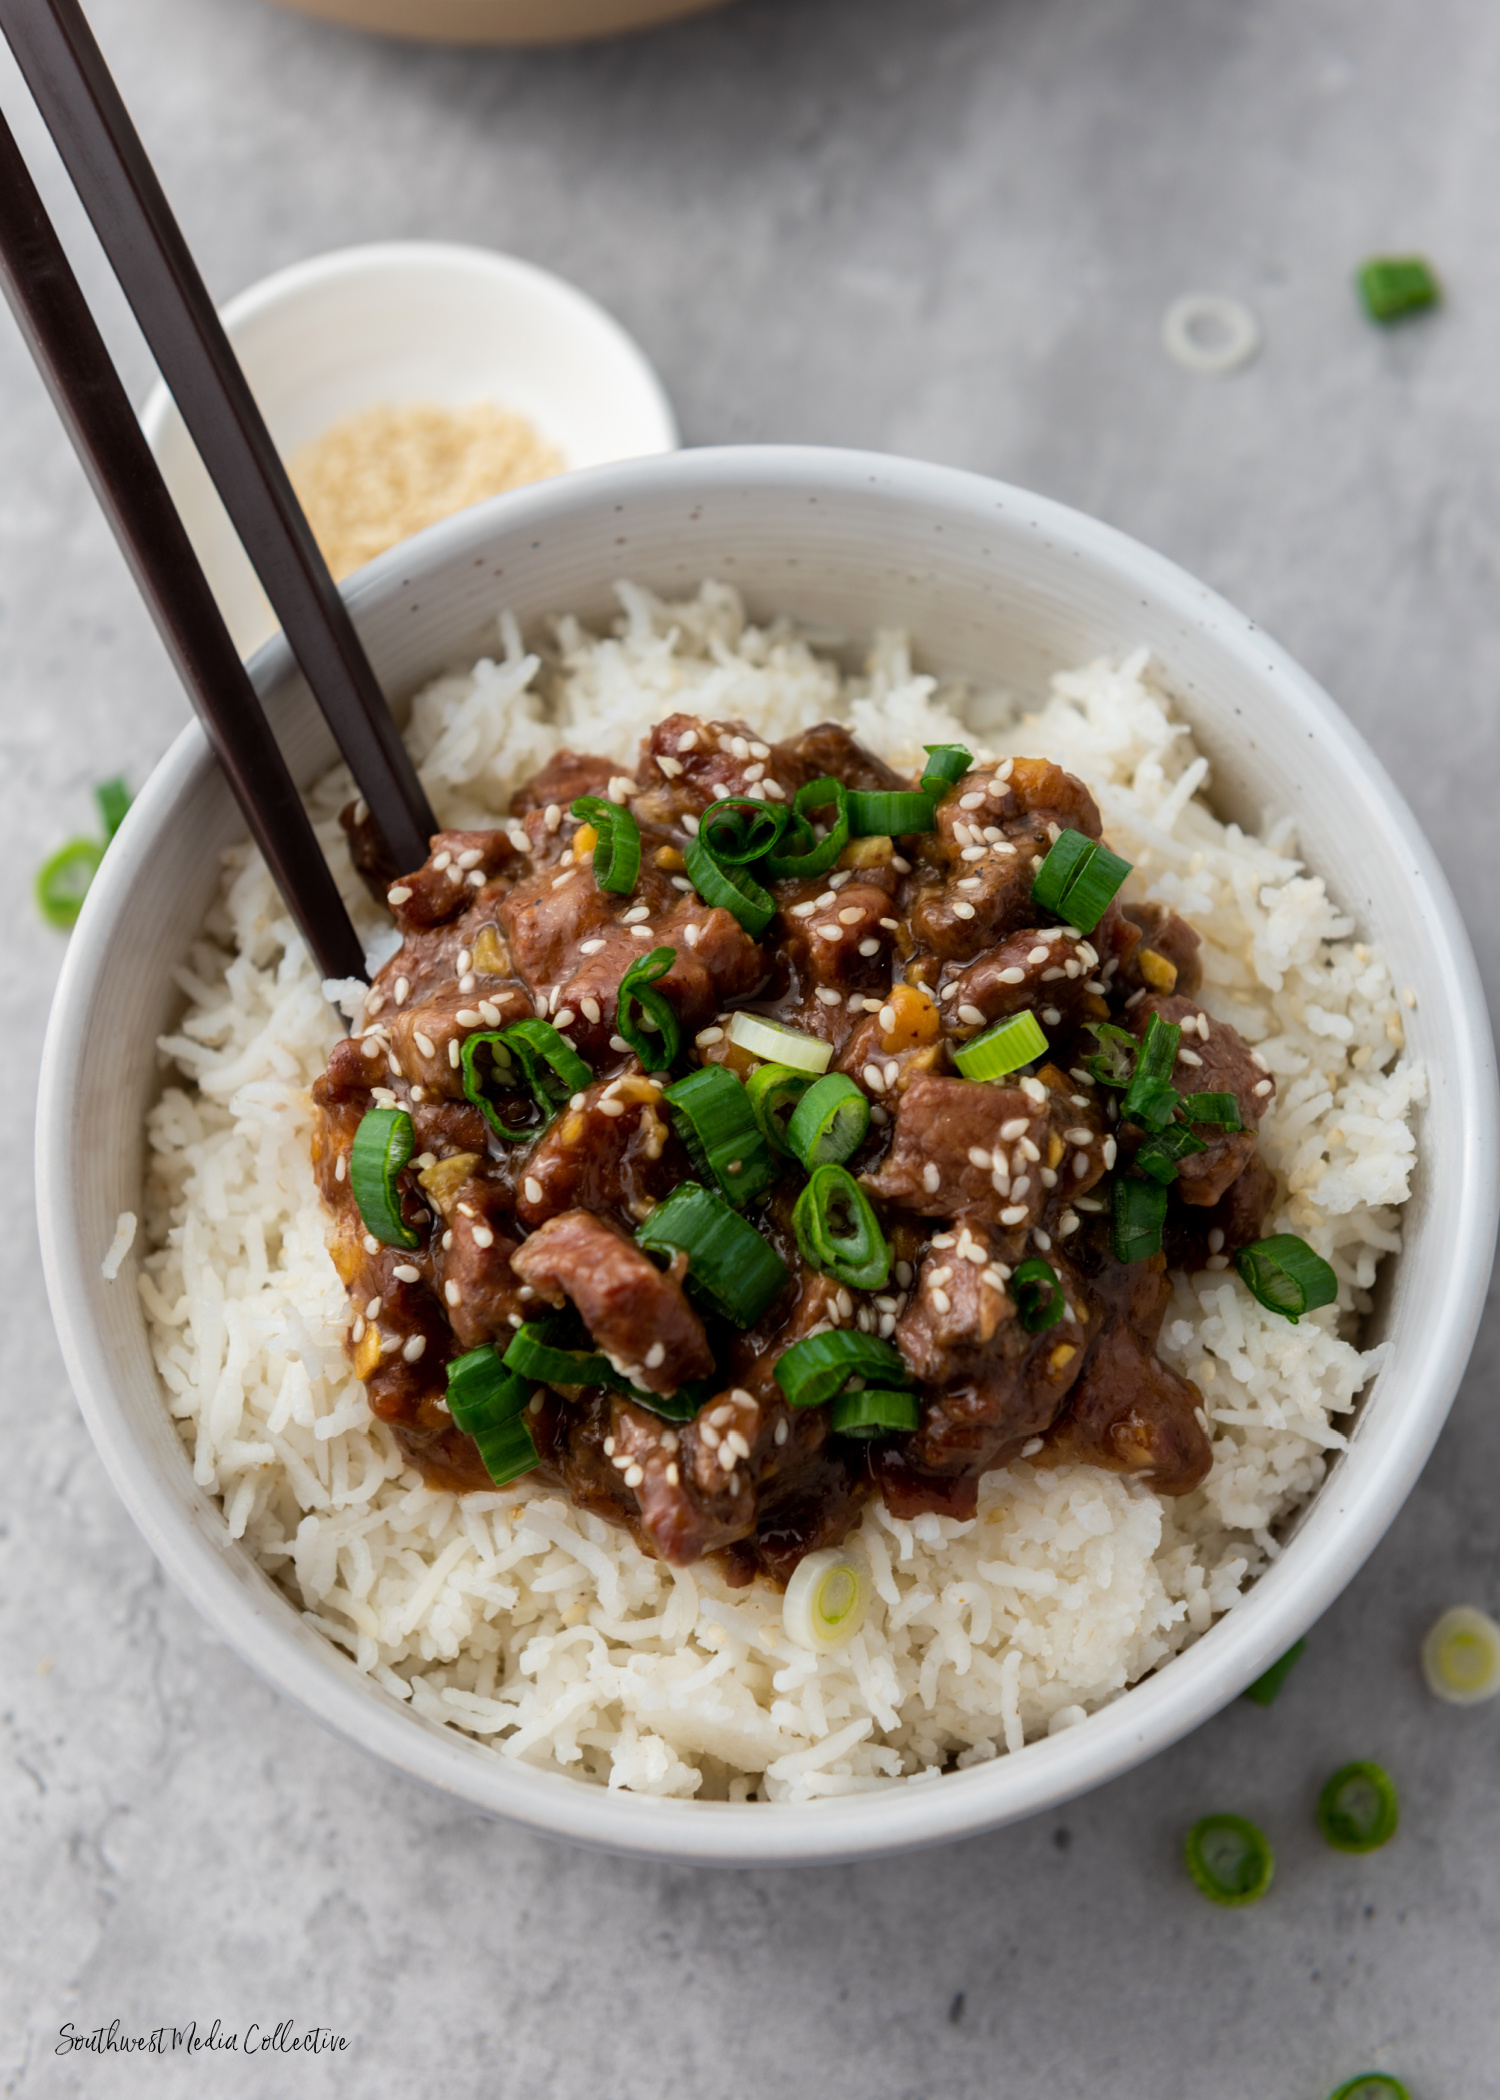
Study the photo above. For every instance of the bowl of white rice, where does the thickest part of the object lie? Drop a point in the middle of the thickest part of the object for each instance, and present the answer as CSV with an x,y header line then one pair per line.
x,y
530,1659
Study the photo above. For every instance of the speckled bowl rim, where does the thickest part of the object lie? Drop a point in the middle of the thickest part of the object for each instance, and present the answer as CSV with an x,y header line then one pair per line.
x,y
1344,1521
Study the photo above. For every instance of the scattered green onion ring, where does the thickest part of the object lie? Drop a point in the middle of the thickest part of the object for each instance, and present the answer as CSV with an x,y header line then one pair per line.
x,y
857,1253
1357,1809
1461,1656
1115,1064
1038,1293
1266,1688
1286,1276
803,853
1151,1099
1230,1861
617,851
1162,1154
657,1052
1372,2085
816,1369
63,881
382,1146
1393,286
829,1122
732,833
774,1091
872,1412
549,1069
1069,851
1222,1109
734,1270
827,1599
1077,879
711,1113
946,766
781,1046
489,1404
541,1351
889,813
1004,1048
1139,1213
114,799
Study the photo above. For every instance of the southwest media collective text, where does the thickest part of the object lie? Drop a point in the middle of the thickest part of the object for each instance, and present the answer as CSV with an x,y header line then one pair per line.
x,y
283,2039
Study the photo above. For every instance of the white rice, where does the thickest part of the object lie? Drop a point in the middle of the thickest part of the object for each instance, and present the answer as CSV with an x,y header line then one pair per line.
x,y
553,1636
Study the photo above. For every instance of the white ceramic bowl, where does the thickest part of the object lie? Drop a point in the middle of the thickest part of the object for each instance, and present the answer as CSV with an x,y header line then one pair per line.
x,y
993,584
405,321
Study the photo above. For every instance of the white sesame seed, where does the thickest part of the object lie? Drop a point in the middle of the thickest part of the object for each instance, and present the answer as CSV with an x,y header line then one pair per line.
x,y
400,989
978,1157
608,1106
1217,1261
963,909
371,1244
518,838
552,816
451,1292
357,1331
533,1189
398,894
1109,1152
931,1178
424,1043
641,933
1189,1057
869,947
690,826
636,913
1015,1215
633,1476
829,933
827,996
475,878
1013,975
340,1167
690,935
413,1347
874,1078
1051,1016
941,1301
1263,1086
971,1015
489,1013
974,801
706,1037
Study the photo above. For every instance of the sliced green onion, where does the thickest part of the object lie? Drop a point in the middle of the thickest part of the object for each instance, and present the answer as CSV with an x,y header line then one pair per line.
x,y
1115,1064
537,1043
827,1599
1089,893
946,765
1265,1689
63,881
782,1046
542,1352
888,813
382,1146
871,1412
1161,1155
1151,1099
1461,1656
657,1051
489,1404
544,1065
838,1231
1393,286
1286,1276
1038,1293
802,852
1070,851
774,1091
1357,1809
829,1121
1222,1109
1372,2085
815,1370
712,1115
1004,1048
734,1270
1140,1211
617,852
113,798
1229,1860
732,833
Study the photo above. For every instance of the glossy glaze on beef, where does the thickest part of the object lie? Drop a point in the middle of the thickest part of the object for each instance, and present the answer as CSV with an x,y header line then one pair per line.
x,y
905,951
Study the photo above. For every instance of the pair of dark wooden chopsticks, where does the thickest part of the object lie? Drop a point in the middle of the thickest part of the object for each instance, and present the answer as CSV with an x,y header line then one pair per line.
x,y
103,154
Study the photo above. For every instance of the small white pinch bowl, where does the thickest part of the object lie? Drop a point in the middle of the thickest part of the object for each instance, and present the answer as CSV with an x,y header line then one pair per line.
x,y
994,585
409,321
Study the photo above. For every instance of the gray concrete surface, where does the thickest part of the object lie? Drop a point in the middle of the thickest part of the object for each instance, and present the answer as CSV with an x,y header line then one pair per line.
x,y
946,227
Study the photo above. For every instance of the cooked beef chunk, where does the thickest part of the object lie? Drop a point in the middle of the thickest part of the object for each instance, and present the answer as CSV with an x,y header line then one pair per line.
x,y
1167,958
1130,1412
1212,1058
637,1314
965,1149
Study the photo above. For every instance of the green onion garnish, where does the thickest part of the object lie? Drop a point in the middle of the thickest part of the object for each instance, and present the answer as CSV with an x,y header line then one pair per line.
x,y
382,1146
1372,2085
1151,1099
838,1231
1077,880
774,1091
489,1404
782,1046
1222,1109
657,1049
63,881
870,1412
1286,1276
732,833
1229,1860
1265,1688
827,1599
617,852
829,1121
712,1115
113,798
543,1352
1160,1155
946,766
1461,1656
529,1056
802,852
1040,1303
1140,1211
1393,286
888,812
1357,1809
1004,1048
816,1369
1115,1064
730,1266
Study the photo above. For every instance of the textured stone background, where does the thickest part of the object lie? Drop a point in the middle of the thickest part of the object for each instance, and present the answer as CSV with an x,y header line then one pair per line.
x,y
944,227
